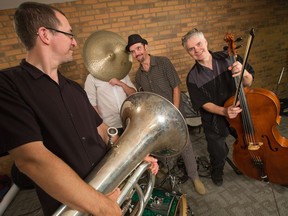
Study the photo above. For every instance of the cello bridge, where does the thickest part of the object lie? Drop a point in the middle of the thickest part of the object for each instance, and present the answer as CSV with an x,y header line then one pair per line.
x,y
254,146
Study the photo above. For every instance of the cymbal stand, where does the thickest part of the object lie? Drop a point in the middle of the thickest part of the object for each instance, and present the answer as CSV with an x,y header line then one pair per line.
x,y
174,181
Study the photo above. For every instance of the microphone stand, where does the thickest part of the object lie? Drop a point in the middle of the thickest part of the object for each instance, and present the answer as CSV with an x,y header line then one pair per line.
x,y
283,101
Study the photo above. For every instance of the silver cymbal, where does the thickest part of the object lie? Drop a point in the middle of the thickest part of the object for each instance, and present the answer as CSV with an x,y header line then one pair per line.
x,y
105,56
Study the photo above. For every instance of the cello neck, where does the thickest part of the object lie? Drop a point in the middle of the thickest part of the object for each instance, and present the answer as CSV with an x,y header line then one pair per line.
x,y
240,94
248,48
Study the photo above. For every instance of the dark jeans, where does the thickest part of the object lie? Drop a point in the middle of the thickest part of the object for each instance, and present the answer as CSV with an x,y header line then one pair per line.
x,y
217,149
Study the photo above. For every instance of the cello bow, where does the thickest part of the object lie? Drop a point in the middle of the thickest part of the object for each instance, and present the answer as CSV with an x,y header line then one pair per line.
x,y
229,38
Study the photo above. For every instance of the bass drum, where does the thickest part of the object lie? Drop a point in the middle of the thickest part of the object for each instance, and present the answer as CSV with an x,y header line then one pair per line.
x,y
163,203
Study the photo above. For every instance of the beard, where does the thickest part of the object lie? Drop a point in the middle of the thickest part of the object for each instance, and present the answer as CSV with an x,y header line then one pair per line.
x,y
140,58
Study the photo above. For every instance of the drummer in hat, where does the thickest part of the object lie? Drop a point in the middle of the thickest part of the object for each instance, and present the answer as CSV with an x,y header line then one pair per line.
x,y
157,74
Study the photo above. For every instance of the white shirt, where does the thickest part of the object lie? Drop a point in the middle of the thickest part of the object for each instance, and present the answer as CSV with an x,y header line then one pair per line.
x,y
107,98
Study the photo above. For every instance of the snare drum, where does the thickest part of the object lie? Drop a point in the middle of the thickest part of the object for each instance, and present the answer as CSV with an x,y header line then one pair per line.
x,y
164,203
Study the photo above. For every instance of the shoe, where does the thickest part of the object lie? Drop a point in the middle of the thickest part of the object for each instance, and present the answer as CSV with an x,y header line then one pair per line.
x,y
216,176
199,186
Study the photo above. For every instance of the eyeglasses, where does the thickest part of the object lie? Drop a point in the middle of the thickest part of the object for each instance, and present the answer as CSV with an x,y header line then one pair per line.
x,y
65,33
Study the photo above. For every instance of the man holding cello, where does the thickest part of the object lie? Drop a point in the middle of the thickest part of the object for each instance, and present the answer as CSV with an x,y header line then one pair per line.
x,y
210,83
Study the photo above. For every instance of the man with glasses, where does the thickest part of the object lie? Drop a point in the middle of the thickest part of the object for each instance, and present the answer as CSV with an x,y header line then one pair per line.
x,y
65,33
210,83
47,123
157,74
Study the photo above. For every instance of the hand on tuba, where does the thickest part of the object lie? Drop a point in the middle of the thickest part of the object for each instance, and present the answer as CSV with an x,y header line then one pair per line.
x,y
114,194
113,208
154,165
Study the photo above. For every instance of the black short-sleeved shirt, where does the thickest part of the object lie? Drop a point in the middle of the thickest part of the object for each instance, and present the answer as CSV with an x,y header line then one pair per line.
x,y
216,86
161,78
35,108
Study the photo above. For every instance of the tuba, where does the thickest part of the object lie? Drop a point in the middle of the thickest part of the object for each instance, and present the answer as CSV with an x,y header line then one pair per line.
x,y
153,125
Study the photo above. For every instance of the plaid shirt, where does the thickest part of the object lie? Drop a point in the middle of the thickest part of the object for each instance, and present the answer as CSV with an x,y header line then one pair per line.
x,y
161,78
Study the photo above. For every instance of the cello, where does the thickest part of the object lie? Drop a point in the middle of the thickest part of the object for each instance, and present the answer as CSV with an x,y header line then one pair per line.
x,y
259,151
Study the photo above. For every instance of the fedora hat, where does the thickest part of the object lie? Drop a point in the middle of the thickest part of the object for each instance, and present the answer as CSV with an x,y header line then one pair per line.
x,y
133,39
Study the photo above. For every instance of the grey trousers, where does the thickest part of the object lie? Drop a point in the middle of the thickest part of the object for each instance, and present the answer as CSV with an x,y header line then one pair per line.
x,y
190,160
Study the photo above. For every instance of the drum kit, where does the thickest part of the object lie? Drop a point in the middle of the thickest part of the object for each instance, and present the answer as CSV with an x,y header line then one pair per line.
x,y
166,198
105,58
163,203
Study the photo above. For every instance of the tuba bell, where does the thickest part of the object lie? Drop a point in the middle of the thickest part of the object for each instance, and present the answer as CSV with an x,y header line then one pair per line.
x,y
153,125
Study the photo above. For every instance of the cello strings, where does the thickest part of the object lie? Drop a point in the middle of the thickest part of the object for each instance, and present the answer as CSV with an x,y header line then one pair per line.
x,y
247,126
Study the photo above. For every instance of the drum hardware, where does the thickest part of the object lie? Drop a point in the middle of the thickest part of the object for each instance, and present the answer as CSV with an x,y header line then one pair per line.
x,y
173,174
181,165
165,203
204,166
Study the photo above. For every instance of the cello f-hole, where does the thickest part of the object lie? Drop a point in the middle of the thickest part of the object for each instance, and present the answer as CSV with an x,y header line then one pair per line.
x,y
269,143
